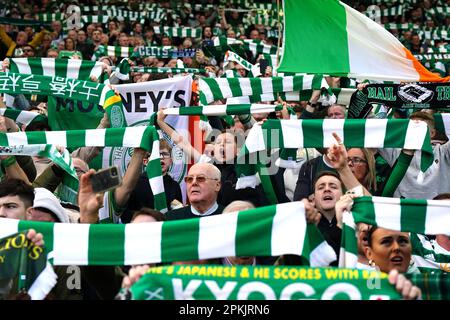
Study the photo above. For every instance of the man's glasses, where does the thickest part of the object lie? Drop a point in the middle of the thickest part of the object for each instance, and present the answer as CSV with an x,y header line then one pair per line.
x,y
164,155
199,178
356,160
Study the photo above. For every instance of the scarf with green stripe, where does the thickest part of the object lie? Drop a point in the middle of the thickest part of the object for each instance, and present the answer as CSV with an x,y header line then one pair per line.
x,y
442,123
23,117
64,161
181,32
140,52
266,231
66,68
222,109
428,256
371,133
68,114
208,282
123,69
72,89
22,259
132,137
256,88
231,56
416,216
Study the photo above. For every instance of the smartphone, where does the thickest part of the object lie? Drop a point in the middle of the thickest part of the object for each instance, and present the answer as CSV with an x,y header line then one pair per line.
x,y
208,43
106,179
263,64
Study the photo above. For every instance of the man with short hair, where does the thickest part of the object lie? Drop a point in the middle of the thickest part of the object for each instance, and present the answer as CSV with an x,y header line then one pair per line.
x,y
16,199
328,189
336,111
203,186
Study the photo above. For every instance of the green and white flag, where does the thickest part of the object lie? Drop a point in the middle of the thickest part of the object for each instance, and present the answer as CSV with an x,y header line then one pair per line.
x,y
312,27
113,51
442,123
208,282
257,46
181,32
133,137
222,109
254,70
358,133
66,68
166,70
64,160
406,215
266,231
428,255
212,89
65,88
23,117
67,114
19,258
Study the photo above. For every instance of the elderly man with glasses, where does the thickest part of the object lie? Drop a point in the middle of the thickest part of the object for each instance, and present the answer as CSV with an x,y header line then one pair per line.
x,y
203,186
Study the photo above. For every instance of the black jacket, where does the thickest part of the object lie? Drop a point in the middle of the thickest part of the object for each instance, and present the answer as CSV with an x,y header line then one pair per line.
x,y
142,196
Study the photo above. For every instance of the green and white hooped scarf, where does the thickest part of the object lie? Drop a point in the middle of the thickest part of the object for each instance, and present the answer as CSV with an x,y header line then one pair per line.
x,y
133,137
371,133
266,231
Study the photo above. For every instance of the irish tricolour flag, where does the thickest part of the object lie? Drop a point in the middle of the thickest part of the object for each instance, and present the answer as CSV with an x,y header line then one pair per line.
x,y
329,37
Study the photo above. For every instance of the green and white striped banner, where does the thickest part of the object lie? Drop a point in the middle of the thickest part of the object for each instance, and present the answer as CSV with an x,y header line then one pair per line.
x,y
257,47
113,51
49,17
132,137
95,19
358,133
442,122
266,231
212,89
222,109
400,26
66,68
181,32
93,92
406,215
416,216
232,56
166,70
64,161
23,117
443,11
440,49
434,33
432,57
428,256
265,20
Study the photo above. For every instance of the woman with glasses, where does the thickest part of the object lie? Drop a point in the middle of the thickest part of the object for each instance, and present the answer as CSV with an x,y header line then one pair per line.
x,y
356,167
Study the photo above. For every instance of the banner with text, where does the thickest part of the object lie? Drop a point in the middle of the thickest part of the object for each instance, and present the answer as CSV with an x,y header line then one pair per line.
x,y
140,101
208,282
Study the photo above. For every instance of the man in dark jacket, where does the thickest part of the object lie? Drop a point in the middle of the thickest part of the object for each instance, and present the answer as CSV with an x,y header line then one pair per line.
x,y
203,186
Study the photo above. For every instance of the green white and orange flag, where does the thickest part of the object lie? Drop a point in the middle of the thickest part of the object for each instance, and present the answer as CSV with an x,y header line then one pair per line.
x,y
329,37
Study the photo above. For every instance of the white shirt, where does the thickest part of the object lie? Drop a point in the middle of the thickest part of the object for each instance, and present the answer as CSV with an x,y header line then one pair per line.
x,y
207,212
